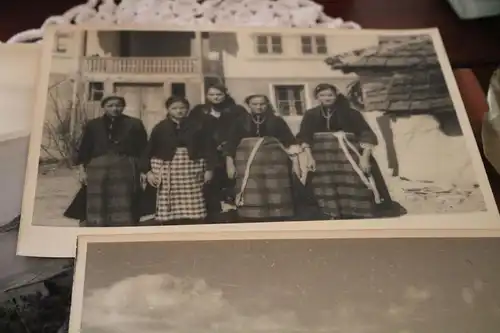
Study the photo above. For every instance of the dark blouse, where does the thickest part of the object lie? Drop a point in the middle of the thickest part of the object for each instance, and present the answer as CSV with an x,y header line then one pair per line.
x,y
167,136
123,135
250,126
343,118
218,126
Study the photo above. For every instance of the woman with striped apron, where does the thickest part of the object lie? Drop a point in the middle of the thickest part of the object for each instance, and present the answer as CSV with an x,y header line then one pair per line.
x,y
338,143
262,156
178,163
108,158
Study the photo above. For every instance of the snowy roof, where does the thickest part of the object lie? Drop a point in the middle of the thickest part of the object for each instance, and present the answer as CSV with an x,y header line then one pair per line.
x,y
392,52
400,74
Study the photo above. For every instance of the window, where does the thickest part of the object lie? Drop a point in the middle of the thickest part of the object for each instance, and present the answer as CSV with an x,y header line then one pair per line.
x,y
290,99
61,42
96,91
178,89
269,44
314,45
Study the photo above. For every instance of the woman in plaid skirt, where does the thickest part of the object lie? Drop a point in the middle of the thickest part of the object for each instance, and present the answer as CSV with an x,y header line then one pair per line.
x,y
219,112
178,162
108,157
261,154
338,143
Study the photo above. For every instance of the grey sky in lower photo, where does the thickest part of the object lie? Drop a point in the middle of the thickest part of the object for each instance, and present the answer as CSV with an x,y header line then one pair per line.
x,y
355,286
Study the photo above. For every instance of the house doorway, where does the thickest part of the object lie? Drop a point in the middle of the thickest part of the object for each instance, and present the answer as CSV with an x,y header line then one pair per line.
x,y
144,101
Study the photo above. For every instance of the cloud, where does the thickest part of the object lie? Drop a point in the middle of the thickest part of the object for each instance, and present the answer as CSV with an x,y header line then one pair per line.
x,y
413,297
167,304
401,312
415,294
468,296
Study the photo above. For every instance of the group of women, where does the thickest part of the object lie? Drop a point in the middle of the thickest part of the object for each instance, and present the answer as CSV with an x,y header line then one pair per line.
x,y
222,162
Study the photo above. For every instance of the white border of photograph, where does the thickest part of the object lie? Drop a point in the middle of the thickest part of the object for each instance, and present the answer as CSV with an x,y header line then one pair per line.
x,y
44,241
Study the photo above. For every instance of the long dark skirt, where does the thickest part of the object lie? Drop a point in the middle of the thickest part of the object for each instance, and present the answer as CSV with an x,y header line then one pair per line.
x,y
220,189
112,188
339,190
268,194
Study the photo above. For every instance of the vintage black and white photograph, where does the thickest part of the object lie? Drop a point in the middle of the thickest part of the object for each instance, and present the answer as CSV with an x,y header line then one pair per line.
x,y
137,284
153,128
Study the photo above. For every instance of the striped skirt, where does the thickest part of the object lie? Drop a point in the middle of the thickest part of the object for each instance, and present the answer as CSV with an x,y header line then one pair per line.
x,y
180,194
112,187
264,182
338,188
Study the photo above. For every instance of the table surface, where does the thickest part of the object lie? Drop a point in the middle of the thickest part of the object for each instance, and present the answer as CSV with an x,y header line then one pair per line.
x,y
469,43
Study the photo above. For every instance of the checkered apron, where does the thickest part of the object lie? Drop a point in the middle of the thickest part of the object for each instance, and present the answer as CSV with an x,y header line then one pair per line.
x,y
180,193
339,185
263,179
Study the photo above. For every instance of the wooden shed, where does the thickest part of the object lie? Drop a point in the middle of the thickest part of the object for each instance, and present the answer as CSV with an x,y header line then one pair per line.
x,y
406,101
400,74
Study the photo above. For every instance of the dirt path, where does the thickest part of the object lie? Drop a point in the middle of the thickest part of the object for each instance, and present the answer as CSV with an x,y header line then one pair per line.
x,y
55,191
57,187
429,198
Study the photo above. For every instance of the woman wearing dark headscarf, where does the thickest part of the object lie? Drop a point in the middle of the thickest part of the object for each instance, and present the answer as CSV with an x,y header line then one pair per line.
x,y
219,113
108,155
338,142
262,155
178,163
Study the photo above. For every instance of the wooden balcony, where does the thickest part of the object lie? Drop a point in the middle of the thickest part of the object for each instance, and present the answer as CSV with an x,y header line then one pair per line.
x,y
133,65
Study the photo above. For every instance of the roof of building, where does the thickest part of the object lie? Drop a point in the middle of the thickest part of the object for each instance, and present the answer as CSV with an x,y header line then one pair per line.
x,y
400,74
392,51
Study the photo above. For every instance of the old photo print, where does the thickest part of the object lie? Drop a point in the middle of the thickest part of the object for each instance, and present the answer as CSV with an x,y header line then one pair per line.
x,y
151,129
160,284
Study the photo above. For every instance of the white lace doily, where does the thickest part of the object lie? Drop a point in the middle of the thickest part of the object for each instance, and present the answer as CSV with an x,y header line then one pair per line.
x,y
282,13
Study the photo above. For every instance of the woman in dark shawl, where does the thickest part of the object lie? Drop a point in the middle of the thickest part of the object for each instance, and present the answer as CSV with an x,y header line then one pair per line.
x,y
178,163
262,156
338,143
387,207
108,157
219,113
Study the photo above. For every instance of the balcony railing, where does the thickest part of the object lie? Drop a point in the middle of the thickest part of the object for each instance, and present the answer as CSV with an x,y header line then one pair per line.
x,y
129,65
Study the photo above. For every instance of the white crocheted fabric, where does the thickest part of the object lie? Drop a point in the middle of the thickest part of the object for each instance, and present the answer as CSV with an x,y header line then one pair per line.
x,y
282,13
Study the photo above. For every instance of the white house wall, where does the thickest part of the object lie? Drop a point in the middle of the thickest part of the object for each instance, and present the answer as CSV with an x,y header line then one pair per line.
x,y
64,65
247,72
68,62
247,63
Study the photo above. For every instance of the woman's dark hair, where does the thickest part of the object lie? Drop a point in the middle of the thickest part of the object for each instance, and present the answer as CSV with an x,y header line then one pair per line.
x,y
113,97
228,100
325,86
174,99
219,86
250,97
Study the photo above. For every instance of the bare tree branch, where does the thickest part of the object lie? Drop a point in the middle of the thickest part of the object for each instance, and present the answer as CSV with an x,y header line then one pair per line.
x,y
62,138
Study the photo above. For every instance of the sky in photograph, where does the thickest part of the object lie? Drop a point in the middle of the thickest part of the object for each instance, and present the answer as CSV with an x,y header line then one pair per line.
x,y
282,286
